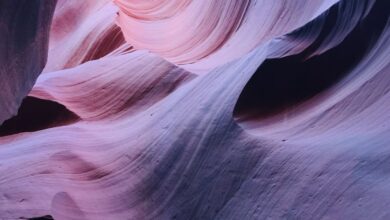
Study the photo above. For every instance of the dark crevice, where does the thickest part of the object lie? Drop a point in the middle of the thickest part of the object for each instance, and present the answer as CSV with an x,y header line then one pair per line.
x,y
36,114
280,84
46,217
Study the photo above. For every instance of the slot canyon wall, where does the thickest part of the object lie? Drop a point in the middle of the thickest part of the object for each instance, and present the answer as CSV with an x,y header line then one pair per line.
x,y
194,109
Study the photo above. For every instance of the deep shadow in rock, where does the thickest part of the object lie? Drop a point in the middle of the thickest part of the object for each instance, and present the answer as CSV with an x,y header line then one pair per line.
x,y
281,84
36,114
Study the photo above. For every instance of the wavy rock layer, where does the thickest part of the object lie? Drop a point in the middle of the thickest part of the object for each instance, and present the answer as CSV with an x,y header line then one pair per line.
x,y
289,120
82,31
202,35
24,28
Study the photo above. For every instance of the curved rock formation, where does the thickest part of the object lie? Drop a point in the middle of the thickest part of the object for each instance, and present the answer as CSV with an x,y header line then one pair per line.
x,y
24,28
202,35
206,110
82,31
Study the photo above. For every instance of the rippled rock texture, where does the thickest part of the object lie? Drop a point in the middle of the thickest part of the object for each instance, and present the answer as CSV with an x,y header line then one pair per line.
x,y
192,109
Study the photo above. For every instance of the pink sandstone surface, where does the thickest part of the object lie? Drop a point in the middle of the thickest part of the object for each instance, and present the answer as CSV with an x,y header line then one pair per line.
x,y
194,109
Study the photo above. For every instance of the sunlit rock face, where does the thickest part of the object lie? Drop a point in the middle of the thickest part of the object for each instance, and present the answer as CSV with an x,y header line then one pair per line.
x,y
192,109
